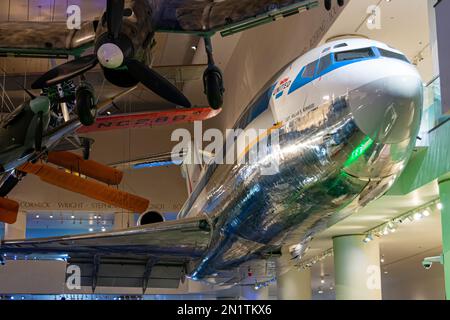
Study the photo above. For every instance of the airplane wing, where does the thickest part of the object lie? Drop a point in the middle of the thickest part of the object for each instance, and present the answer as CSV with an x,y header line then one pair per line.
x,y
44,40
139,253
150,119
227,16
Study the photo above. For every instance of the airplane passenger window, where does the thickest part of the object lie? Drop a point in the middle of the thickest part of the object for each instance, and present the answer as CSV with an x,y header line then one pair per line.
x,y
354,54
310,70
324,63
393,55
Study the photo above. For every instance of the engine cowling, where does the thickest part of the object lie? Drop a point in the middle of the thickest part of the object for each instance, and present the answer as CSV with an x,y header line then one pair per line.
x,y
150,217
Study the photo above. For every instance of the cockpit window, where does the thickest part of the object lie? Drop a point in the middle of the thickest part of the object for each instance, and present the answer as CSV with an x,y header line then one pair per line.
x,y
324,63
354,54
341,45
393,55
310,70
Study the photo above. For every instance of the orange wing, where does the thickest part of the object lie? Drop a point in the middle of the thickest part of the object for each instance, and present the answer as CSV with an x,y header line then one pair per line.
x,y
150,119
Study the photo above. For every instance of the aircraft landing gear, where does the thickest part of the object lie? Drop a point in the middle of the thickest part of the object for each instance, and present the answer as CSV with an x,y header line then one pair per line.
x,y
328,4
85,104
213,79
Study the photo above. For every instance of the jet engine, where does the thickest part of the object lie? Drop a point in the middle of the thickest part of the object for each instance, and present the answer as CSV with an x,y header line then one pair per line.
x,y
150,217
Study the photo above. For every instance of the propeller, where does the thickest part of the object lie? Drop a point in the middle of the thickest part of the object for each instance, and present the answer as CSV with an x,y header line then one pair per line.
x,y
112,49
156,82
66,71
114,15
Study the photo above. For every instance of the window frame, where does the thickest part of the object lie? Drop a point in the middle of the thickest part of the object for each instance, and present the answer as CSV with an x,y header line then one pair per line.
x,y
369,49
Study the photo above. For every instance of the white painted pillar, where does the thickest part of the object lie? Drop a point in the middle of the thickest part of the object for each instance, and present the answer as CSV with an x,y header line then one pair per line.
x,y
294,285
250,293
17,231
357,268
123,221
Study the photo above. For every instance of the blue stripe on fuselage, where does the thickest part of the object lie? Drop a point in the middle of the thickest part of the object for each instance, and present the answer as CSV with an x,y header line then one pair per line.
x,y
300,82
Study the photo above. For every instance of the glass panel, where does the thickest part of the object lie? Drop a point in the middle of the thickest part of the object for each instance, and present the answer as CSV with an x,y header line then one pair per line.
x,y
310,70
2,230
44,225
324,63
432,111
354,54
393,55
341,45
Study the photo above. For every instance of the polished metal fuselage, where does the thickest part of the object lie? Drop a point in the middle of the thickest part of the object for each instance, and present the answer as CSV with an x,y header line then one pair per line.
x,y
328,169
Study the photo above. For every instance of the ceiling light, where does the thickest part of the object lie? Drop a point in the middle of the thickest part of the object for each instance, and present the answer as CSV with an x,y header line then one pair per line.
x,y
72,217
108,113
322,281
440,206
368,238
426,213
418,216
194,48
91,230
51,217
320,291
37,216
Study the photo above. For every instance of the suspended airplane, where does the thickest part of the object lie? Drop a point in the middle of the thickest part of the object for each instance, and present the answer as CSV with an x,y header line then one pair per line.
x,y
124,37
347,115
26,136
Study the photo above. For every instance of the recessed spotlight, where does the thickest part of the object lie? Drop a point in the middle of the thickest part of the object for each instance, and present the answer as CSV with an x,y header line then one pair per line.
x,y
418,216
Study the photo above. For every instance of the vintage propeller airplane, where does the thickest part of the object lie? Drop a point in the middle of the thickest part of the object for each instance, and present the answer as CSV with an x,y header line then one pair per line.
x,y
123,39
27,136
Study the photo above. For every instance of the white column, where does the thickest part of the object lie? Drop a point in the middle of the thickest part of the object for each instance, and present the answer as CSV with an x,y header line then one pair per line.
x,y
294,285
17,230
250,293
357,268
123,221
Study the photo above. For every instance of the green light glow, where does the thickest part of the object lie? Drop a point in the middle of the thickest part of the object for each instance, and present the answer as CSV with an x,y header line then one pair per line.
x,y
359,151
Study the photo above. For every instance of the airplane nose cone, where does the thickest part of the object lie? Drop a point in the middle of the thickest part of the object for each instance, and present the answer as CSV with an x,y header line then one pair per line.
x,y
110,56
388,110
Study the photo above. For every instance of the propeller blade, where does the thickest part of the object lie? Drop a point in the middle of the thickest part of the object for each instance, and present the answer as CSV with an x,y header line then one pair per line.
x,y
66,71
157,83
114,16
